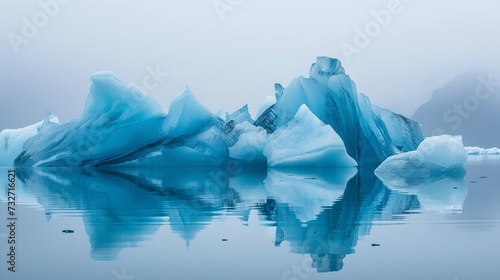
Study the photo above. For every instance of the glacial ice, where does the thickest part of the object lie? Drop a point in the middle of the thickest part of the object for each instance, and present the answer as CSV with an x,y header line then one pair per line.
x,y
12,140
314,144
240,116
434,173
112,125
435,156
317,121
249,147
371,134
268,102
478,151
191,136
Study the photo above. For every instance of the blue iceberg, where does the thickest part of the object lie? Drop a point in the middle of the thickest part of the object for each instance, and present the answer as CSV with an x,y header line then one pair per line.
x,y
478,151
112,126
435,157
370,133
317,121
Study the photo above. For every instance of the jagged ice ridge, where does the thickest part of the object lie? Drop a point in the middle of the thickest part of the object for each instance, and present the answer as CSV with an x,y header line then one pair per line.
x,y
317,121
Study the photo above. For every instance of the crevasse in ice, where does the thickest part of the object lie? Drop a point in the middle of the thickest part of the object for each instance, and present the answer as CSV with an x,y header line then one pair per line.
x,y
317,121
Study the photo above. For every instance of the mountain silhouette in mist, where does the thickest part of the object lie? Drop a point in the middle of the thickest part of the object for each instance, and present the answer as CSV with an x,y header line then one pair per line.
x,y
469,105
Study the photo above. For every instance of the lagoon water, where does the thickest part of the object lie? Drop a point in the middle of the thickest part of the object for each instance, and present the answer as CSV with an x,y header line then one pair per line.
x,y
194,223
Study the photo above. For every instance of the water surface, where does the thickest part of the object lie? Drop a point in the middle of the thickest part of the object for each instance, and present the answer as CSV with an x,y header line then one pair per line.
x,y
196,223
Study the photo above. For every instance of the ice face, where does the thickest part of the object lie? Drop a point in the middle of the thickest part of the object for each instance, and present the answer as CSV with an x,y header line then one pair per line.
x,y
241,115
191,136
268,102
443,151
186,116
192,125
306,141
12,140
435,157
250,145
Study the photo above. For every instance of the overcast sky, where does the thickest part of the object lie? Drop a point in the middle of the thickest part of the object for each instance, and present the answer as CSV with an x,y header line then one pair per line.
x,y
231,52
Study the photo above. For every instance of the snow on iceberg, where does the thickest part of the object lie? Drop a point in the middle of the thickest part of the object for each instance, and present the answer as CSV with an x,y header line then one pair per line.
x,y
12,140
306,141
435,156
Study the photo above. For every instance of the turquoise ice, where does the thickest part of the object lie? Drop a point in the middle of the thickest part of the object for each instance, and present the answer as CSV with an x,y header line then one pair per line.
x,y
317,121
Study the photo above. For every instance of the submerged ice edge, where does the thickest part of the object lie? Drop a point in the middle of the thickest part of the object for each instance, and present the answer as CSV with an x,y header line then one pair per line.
x,y
317,121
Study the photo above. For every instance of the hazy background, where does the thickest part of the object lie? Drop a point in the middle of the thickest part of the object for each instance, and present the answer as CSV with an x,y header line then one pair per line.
x,y
234,59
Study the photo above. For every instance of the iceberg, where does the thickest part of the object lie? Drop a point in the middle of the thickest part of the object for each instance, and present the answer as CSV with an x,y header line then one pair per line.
x,y
314,144
478,151
112,125
371,134
435,156
317,121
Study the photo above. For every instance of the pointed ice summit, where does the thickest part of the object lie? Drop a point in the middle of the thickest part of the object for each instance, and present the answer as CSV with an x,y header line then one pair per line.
x,y
317,121
370,133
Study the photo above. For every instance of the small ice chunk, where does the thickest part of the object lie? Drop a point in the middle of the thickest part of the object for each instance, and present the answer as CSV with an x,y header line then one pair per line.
x,y
438,154
477,151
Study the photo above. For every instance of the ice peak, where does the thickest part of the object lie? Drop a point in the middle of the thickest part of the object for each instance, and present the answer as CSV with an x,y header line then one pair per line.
x,y
324,68
186,115
106,81
278,88
50,118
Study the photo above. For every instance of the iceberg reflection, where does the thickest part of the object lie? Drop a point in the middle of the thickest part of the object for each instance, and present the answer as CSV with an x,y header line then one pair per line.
x,y
334,233
320,212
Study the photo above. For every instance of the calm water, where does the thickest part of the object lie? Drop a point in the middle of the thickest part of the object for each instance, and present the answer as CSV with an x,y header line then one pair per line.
x,y
258,224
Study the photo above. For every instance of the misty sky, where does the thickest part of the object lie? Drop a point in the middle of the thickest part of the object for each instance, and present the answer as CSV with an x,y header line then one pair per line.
x,y
233,55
